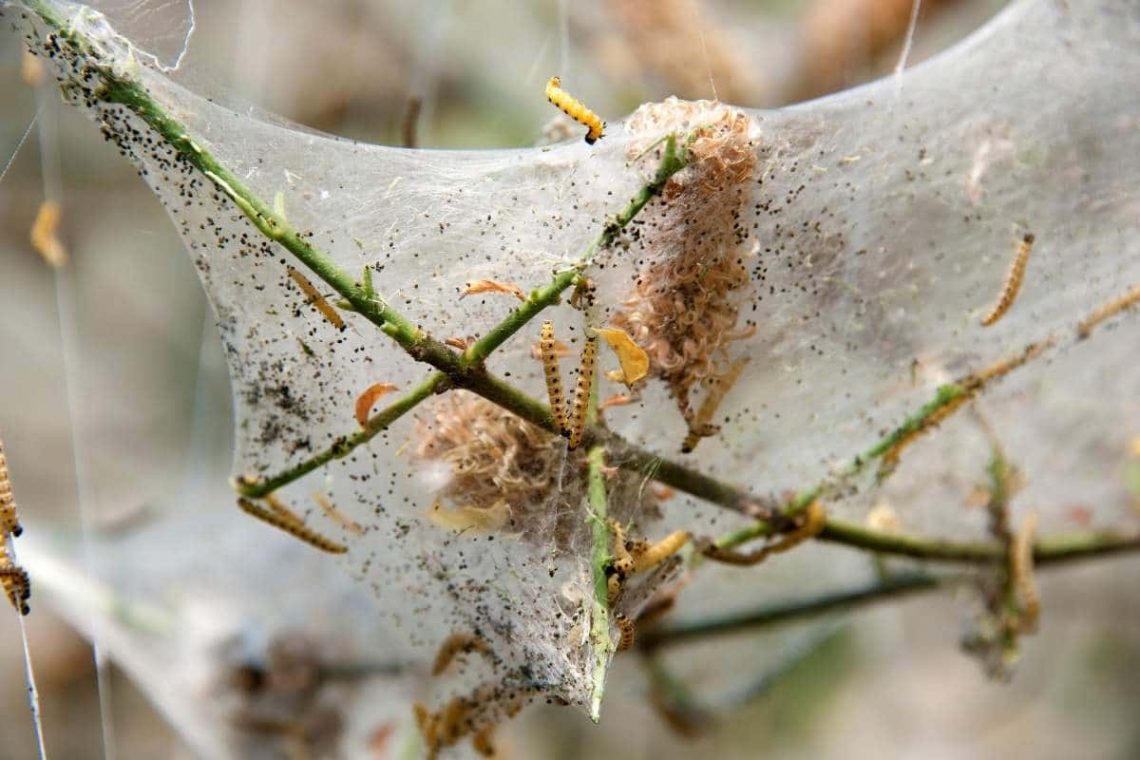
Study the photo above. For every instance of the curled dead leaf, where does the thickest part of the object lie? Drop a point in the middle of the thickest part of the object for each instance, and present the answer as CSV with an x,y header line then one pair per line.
x,y
492,286
365,401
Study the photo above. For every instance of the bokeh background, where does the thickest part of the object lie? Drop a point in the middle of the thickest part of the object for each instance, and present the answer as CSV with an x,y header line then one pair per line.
x,y
114,402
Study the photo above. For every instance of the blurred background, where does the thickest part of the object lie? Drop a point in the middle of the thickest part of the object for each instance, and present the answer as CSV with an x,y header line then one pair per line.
x,y
114,400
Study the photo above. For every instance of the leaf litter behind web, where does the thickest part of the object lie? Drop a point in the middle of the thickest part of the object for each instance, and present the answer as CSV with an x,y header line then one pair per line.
x,y
874,235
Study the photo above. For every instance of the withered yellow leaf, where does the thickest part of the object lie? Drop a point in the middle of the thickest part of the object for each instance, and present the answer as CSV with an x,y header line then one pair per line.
x,y
632,357
463,517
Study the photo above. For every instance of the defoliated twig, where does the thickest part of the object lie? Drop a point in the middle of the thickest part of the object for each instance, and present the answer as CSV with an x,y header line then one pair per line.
x,y
466,370
672,161
600,639
1046,553
948,399
793,609
1047,550
255,488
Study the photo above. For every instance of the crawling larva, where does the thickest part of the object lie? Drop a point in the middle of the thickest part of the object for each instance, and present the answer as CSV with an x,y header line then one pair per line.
x,y
292,525
9,522
701,425
815,520
1021,572
971,385
14,580
617,400
45,235
346,522
573,108
457,643
632,557
627,632
316,299
278,507
1012,282
657,553
484,741
548,353
463,716
582,391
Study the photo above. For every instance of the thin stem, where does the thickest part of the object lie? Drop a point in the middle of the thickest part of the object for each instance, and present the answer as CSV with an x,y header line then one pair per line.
x,y
792,609
517,319
604,646
1046,553
672,162
944,397
674,700
466,370
255,488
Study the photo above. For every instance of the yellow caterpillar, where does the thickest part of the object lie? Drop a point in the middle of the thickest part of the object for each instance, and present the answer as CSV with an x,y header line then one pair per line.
x,y
573,108
577,418
553,376
282,518
1012,282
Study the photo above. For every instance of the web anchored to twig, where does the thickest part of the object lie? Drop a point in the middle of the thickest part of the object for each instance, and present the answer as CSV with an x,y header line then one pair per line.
x,y
667,280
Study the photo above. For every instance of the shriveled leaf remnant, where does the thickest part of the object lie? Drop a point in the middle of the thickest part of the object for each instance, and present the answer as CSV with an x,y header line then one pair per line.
x,y
632,357
490,286
365,401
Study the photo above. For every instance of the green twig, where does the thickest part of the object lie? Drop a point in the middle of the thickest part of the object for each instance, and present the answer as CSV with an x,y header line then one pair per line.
x,y
946,395
1047,550
466,370
790,610
1046,553
600,638
255,488
672,161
